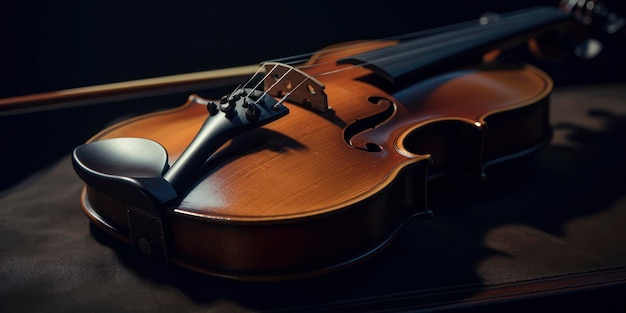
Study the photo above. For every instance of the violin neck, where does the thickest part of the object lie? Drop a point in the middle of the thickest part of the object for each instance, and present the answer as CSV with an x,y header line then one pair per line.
x,y
453,48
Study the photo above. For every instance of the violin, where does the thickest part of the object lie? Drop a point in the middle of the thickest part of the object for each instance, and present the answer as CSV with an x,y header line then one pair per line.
x,y
312,165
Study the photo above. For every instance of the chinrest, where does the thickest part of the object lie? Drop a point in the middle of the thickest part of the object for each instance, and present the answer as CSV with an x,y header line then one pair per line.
x,y
126,168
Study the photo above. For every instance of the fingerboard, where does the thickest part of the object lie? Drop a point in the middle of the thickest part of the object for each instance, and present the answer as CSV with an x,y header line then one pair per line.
x,y
453,48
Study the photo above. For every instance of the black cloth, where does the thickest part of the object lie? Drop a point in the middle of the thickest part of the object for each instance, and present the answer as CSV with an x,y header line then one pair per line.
x,y
546,222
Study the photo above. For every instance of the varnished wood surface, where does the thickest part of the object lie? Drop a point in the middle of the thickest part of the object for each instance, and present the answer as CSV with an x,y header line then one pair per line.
x,y
293,187
299,165
286,169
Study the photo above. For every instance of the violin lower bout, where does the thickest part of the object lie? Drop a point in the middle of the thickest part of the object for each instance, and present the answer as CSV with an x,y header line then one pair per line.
x,y
279,249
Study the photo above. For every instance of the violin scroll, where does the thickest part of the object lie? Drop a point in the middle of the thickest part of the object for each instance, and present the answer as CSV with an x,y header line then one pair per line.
x,y
596,19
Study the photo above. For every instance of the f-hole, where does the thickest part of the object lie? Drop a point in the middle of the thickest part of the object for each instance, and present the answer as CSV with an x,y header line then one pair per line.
x,y
370,122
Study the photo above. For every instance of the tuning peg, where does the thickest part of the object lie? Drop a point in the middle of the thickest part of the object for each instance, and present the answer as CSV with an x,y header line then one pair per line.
x,y
488,17
212,108
253,113
588,49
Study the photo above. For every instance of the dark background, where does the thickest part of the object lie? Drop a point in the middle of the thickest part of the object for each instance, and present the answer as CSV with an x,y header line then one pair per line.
x,y
57,45
52,45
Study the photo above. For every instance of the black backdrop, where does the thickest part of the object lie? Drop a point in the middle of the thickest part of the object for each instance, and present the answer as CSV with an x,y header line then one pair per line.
x,y
56,45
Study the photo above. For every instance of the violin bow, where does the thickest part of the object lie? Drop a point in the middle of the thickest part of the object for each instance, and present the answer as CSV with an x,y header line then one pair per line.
x,y
127,90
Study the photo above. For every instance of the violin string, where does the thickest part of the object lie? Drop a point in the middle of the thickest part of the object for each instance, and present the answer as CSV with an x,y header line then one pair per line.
x,y
440,41
248,81
329,52
291,91
300,58
264,77
273,85
462,34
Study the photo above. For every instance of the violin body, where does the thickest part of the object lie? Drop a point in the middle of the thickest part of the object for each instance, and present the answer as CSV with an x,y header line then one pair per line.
x,y
322,167
312,192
